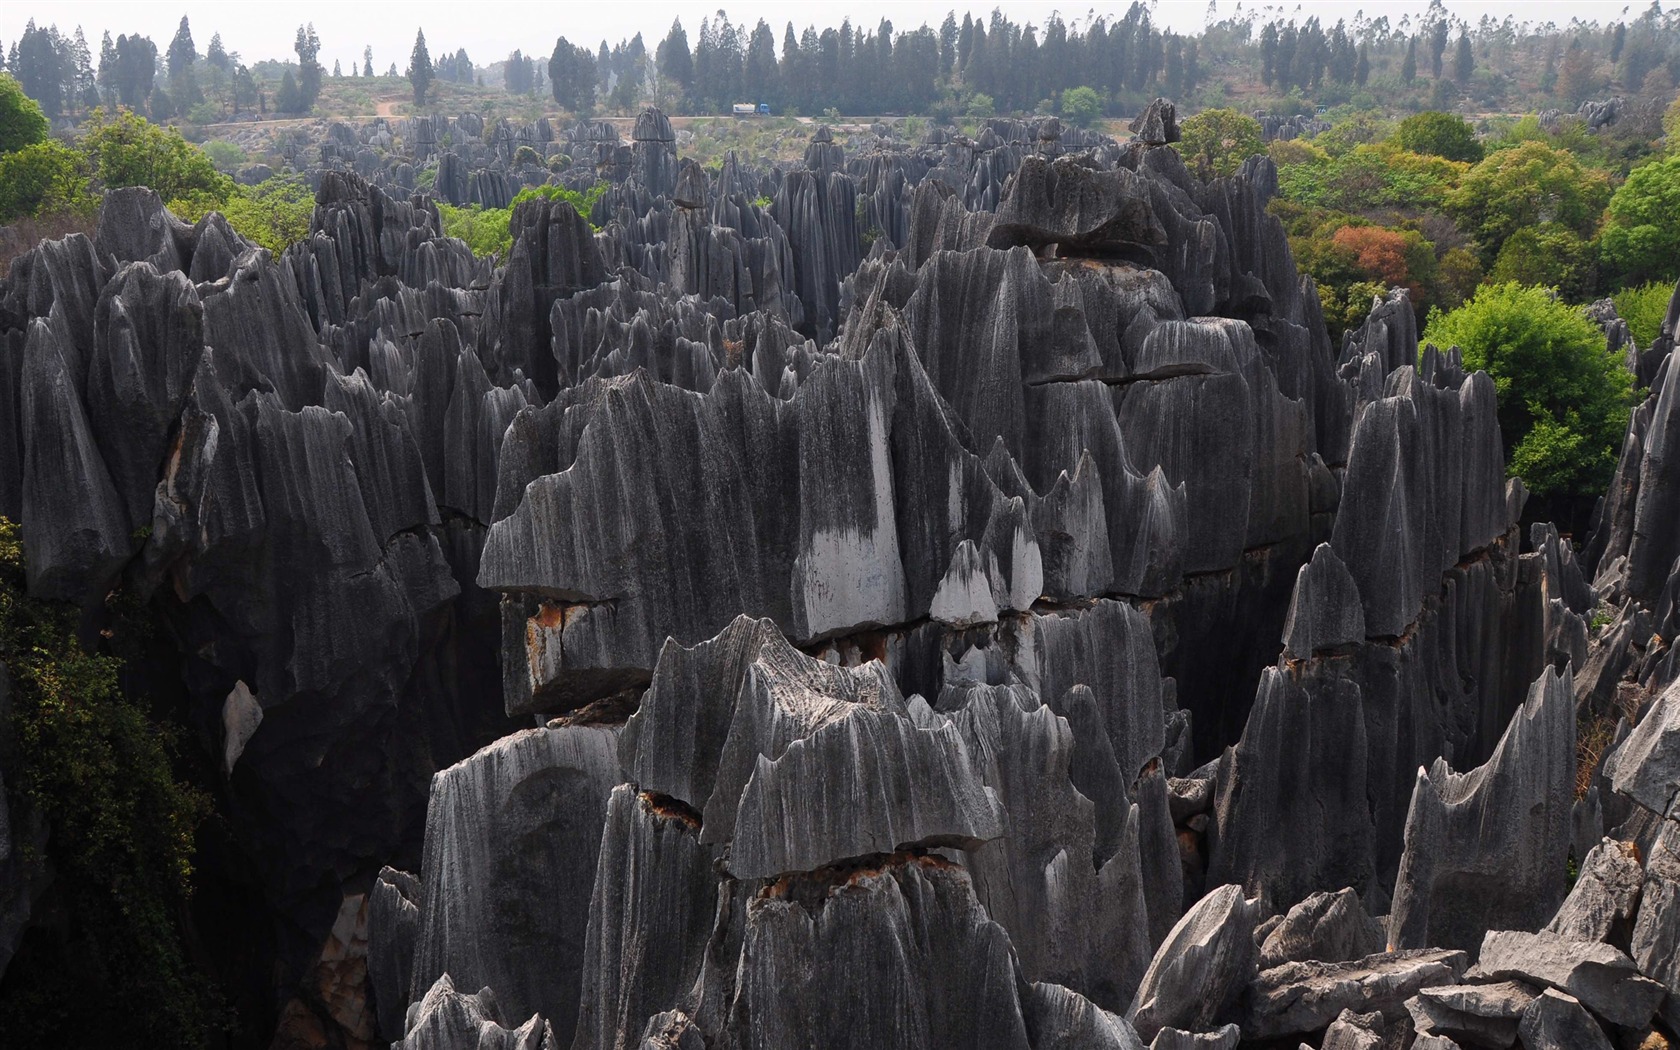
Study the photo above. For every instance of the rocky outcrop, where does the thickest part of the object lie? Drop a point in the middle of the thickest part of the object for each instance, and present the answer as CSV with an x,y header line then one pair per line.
x,y
1328,927
1298,998
512,837
1603,978
1488,849
445,1019
900,643
1201,968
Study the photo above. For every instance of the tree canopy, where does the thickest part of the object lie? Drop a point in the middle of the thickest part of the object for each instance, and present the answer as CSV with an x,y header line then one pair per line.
x,y
1220,139
1642,237
21,121
1563,397
1440,135
1526,185
420,73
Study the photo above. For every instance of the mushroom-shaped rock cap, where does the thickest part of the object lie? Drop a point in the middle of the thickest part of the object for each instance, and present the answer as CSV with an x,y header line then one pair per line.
x,y
1083,210
1157,125
653,126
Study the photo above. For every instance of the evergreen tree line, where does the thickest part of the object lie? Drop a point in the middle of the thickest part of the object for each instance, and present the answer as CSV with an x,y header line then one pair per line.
x,y
858,70
61,74
972,65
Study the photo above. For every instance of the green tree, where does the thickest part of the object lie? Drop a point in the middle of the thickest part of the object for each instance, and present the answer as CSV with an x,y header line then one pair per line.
x,y
1525,186
1439,135
308,46
129,150
1645,308
287,98
673,57
226,156
98,770
274,214
1464,62
1081,105
1563,398
1219,140
182,54
1641,239
571,77
1408,68
1549,255
44,178
420,72
21,121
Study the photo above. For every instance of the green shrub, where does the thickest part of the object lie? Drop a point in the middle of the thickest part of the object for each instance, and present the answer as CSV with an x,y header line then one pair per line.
x,y
1219,140
98,770
487,230
21,121
1563,398
1081,105
1644,309
128,150
582,202
274,214
1641,240
226,156
46,178
1440,135
484,230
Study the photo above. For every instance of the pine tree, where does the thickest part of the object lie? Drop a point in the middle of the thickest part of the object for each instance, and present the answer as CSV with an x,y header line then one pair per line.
x,y
182,53
367,61
287,99
1464,62
1437,47
85,91
420,71
1408,68
1362,71
107,75
673,57
308,46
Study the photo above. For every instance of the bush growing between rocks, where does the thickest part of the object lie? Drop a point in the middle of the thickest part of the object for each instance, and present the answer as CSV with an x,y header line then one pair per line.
x,y
1563,398
275,213
1219,140
487,230
1644,308
97,769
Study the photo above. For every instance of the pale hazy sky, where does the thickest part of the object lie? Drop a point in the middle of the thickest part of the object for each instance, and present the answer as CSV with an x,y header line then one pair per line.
x,y
489,29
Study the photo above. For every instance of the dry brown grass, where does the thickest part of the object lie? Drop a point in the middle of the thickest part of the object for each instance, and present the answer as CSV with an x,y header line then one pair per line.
x,y
31,230
1593,735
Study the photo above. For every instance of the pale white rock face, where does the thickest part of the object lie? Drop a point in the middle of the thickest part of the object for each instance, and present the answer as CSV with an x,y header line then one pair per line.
x,y
1027,580
241,715
850,578
964,597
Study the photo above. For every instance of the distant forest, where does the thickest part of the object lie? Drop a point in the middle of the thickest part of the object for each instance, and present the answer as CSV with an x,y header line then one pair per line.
x,y
965,66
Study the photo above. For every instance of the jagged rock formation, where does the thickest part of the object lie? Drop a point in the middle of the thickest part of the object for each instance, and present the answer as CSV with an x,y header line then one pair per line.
x,y
1488,849
1026,632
